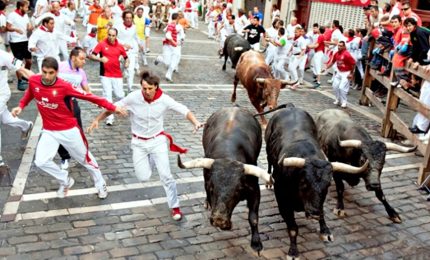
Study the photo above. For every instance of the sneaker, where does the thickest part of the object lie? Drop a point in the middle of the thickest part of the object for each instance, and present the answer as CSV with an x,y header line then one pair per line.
x,y
25,134
336,102
1,163
343,105
64,164
156,62
147,50
176,214
22,85
169,79
62,191
317,85
329,81
109,122
102,192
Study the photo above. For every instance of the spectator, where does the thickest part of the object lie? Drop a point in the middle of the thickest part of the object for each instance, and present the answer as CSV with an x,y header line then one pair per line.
x,y
419,39
259,15
407,13
254,31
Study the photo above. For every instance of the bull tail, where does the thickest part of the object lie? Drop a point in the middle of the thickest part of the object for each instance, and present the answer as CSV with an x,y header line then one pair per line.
x,y
273,110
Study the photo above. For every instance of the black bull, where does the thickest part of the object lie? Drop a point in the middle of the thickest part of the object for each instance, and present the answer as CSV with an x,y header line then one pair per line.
x,y
234,46
232,141
344,141
301,172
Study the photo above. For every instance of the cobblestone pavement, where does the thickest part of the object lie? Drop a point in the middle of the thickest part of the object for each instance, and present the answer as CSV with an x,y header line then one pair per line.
x,y
134,222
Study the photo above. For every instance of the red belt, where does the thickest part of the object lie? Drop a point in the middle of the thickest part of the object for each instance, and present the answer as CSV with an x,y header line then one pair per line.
x,y
173,147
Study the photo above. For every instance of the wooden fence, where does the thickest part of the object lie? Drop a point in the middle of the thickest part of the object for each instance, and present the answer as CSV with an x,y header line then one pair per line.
x,y
392,123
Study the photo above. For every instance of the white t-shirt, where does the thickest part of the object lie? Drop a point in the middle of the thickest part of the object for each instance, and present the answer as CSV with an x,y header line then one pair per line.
x,y
128,36
3,36
290,30
44,7
89,43
19,22
240,23
45,42
7,62
299,45
147,119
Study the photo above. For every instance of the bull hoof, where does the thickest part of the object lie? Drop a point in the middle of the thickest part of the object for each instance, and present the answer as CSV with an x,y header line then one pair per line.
x,y
289,257
396,219
339,212
223,67
327,237
257,247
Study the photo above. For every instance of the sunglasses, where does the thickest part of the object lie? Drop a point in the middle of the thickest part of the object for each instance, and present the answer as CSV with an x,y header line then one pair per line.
x,y
404,9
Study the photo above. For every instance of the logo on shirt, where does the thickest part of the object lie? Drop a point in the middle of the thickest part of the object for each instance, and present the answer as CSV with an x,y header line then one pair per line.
x,y
44,102
36,89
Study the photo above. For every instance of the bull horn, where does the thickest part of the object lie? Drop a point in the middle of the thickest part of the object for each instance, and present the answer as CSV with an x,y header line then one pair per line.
x,y
238,48
399,148
350,143
260,80
258,172
196,163
288,82
344,167
293,162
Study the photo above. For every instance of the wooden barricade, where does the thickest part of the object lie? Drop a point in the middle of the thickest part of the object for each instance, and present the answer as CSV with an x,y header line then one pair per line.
x,y
391,122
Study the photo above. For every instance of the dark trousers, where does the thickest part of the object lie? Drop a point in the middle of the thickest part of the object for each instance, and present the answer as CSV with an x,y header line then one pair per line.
x,y
64,154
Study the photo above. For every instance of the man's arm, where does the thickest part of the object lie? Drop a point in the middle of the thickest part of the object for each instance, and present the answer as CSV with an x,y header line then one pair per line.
x,y
95,123
194,121
28,96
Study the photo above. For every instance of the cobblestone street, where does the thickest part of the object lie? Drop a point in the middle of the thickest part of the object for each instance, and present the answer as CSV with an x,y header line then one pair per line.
x,y
134,221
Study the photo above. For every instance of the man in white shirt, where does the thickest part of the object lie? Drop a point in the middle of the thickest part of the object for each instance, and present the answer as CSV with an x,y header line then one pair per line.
x,y
3,28
127,36
272,35
298,57
42,6
43,42
241,21
8,62
147,108
291,28
18,26
61,27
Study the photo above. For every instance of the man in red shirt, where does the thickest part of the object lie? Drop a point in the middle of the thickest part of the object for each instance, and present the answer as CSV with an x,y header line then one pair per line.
x,y
345,65
60,126
171,53
108,52
408,13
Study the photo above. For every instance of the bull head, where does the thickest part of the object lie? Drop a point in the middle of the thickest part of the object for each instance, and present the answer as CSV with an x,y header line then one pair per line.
x,y
337,166
206,163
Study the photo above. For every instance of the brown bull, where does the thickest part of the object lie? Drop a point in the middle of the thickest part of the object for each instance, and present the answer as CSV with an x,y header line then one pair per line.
x,y
256,77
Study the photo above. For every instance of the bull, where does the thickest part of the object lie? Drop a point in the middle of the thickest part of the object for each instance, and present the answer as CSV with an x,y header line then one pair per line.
x,y
301,172
234,46
256,77
344,141
231,141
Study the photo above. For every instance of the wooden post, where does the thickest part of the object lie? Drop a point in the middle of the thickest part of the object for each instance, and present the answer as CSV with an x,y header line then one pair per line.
x,y
367,81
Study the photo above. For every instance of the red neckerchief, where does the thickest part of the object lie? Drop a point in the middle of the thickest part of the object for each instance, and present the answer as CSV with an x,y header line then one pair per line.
x,y
122,7
43,28
93,35
128,26
19,12
2,13
157,95
55,13
349,39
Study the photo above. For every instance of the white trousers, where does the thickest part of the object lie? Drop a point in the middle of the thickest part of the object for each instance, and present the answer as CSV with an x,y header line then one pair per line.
x,y
279,68
420,120
171,57
211,29
62,49
112,84
132,56
72,140
195,20
341,86
318,62
222,36
270,54
189,16
297,67
155,150
255,46
6,118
